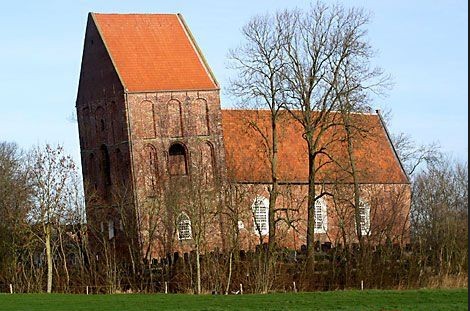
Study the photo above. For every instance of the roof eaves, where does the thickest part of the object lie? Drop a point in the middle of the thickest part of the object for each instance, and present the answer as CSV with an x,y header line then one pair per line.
x,y
171,90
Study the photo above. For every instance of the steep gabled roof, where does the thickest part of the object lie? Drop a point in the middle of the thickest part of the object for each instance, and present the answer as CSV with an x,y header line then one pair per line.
x,y
247,159
154,52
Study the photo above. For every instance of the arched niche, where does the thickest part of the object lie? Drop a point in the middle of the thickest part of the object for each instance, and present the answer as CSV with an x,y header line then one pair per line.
x,y
200,117
105,165
175,119
150,168
144,125
207,164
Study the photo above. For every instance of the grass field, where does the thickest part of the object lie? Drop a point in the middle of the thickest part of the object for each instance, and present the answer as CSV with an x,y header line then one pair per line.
x,y
455,299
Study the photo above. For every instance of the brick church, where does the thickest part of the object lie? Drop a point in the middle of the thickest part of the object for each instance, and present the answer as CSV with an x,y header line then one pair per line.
x,y
166,169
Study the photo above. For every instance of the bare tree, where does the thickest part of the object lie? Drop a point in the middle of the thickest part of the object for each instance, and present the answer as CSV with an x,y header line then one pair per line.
x,y
319,43
260,63
413,155
51,171
439,218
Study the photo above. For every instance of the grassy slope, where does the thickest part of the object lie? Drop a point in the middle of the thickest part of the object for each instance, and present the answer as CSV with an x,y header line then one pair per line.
x,y
341,300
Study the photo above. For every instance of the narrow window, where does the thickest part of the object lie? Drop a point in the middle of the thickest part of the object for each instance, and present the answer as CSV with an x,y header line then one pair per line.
x,y
106,165
321,216
110,229
364,214
119,173
260,209
177,160
184,227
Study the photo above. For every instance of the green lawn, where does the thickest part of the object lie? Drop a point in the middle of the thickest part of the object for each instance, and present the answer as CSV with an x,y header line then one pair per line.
x,y
455,299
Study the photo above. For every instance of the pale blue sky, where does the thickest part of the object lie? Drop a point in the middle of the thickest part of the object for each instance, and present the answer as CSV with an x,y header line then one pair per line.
x,y
422,44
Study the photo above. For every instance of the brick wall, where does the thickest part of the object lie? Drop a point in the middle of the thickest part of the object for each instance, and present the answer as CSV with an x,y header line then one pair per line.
x,y
160,123
103,134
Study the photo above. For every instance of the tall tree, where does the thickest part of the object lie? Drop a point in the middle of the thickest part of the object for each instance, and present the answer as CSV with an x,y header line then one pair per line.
x,y
260,65
50,175
319,43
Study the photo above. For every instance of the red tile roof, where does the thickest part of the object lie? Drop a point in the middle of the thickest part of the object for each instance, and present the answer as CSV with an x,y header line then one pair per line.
x,y
154,52
247,159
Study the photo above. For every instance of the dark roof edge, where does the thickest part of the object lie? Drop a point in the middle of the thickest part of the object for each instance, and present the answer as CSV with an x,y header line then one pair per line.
x,y
107,50
397,157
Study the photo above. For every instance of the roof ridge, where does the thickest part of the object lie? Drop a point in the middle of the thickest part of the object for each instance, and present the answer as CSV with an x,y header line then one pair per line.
x,y
267,109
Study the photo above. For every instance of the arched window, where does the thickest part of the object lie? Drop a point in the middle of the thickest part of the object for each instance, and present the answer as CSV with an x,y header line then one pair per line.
x,y
364,214
321,216
105,165
102,125
184,227
177,160
260,209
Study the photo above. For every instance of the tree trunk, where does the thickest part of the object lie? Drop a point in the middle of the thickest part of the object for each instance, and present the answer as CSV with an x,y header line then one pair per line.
x,y
311,204
47,231
357,194
229,278
64,258
198,270
274,189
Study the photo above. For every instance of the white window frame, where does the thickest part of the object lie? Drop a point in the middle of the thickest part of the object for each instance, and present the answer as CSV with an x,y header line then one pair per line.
x,y
183,227
321,209
260,210
364,214
110,229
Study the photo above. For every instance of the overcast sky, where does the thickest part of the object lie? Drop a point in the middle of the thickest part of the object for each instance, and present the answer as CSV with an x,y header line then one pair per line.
x,y
422,44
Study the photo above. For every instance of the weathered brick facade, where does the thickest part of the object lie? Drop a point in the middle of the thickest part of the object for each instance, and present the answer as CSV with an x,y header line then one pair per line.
x,y
152,137
126,140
